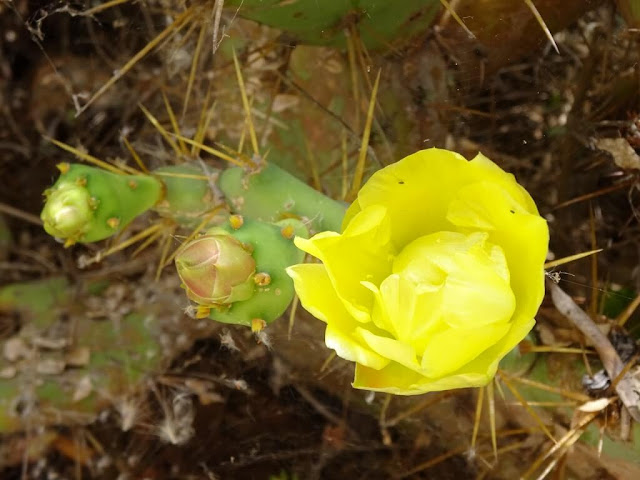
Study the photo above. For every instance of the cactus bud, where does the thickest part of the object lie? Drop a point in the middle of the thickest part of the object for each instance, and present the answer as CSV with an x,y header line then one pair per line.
x,y
88,204
216,269
67,213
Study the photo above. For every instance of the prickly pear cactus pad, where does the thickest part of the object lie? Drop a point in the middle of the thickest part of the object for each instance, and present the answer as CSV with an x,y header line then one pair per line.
x,y
87,204
190,192
271,252
273,194
51,373
324,22
76,350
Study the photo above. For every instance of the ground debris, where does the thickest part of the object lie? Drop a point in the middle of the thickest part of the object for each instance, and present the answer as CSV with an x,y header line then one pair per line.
x,y
623,154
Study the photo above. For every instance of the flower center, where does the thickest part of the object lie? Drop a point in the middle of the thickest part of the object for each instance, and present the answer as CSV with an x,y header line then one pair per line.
x,y
446,301
464,278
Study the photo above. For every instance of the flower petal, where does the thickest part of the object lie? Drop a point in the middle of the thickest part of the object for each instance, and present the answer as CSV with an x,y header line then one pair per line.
x,y
416,192
394,306
523,237
472,275
451,349
399,380
362,253
316,293
488,361
347,347
391,348
409,314
485,169
319,298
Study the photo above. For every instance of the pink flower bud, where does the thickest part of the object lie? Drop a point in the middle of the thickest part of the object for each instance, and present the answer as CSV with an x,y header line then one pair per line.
x,y
216,270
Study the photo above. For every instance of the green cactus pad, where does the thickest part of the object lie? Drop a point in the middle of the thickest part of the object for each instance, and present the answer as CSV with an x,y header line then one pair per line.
x,y
88,204
273,253
323,23
117,356
273,194
187,198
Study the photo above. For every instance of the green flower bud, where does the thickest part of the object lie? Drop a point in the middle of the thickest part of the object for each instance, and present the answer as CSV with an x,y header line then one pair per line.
x,y
67,213
88,204
216,270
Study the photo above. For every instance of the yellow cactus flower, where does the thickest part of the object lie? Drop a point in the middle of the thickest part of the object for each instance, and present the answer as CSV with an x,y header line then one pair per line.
x,y
436,276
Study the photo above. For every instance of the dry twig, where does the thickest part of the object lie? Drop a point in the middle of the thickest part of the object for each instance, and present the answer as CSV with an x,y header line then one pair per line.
x,y
626,386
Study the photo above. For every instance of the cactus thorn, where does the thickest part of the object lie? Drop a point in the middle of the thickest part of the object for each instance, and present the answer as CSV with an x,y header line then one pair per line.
x,y
262,279
68,242
63,167
133,184
288,231
81,181
93,203
113,222
236,221
257,325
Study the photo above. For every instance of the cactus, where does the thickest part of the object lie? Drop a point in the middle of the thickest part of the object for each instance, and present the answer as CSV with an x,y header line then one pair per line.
x,y
272,249
188,196
307,21
230,284
273,194
87,204
49,375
